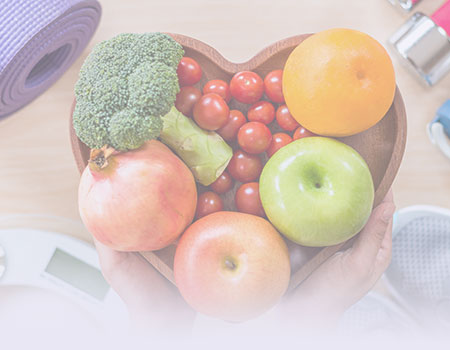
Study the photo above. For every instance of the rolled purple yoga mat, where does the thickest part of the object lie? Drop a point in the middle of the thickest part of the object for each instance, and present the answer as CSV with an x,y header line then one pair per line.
x,y
39,40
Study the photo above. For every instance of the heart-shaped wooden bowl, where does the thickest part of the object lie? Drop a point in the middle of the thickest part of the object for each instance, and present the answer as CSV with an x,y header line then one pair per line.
x,y
382,146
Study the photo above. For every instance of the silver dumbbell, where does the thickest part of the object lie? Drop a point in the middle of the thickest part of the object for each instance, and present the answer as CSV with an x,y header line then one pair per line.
x,y
424,44
406,5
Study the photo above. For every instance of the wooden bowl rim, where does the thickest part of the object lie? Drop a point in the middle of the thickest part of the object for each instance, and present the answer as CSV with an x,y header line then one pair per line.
x,y
260,58
234,67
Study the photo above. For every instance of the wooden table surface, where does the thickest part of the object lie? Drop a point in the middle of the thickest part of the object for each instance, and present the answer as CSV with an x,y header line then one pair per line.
x,y
38,174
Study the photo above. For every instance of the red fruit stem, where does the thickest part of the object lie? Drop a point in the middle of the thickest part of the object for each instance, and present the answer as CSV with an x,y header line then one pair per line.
x,y
99,158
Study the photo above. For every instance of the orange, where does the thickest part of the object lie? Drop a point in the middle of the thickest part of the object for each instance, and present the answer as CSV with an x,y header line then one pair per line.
x,y
339,82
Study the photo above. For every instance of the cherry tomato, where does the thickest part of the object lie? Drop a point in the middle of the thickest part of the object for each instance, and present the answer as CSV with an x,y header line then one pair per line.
x,y
272,86
247,87
301,132
235,120
223,184
261,111
208,203
285,120
278,140
189,72
254,137
211,112
186,99
219,87
245,167
247,199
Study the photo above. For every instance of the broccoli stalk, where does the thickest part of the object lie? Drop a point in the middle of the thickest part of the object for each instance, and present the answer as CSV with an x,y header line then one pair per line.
x,y
126,94
191,142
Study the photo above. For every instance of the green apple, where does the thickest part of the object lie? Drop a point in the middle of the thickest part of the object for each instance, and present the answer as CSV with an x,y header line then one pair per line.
x,y
317,191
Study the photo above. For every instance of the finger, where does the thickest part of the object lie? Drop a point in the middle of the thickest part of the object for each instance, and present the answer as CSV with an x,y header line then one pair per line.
x,y
383,258
389,197
384,255
131,276
367,245
108,257
386,245
387,240
114,262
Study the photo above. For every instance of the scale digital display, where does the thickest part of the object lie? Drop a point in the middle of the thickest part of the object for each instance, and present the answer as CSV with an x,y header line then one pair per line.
x,y
78,274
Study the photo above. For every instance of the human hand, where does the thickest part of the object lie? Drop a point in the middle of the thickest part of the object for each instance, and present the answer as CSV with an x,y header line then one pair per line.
x,y
336,285
345,277
154,304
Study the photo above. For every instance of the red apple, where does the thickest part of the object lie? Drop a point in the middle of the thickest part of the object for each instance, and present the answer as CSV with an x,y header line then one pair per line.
x,y
232,266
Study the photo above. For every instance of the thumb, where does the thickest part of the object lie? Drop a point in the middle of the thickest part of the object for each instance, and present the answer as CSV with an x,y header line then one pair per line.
x,y
367,245
131,276
109,259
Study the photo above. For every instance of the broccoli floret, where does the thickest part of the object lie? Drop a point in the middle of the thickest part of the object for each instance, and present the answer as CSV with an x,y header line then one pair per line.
x,y
128,129
126,84
153,88
97,124
160,47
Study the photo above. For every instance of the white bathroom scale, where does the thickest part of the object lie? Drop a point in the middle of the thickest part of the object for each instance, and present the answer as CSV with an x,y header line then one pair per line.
x,y
48,279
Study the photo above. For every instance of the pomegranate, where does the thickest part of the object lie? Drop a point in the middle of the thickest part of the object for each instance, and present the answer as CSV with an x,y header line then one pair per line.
x,y
138,200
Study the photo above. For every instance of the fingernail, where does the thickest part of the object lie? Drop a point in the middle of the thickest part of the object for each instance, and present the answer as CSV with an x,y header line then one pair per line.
x,y
387,213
